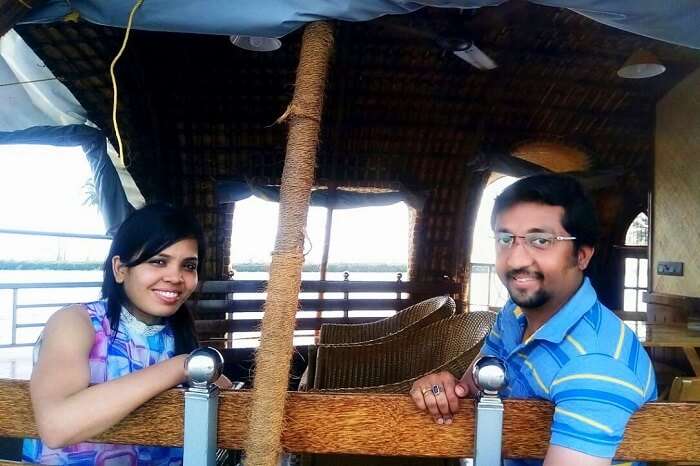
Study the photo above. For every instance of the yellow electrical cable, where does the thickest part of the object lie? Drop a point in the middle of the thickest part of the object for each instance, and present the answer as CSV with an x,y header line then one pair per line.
x,y
114,80
25,4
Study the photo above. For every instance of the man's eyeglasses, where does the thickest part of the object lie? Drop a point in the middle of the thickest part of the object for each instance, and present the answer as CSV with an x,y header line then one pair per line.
x,y
536,240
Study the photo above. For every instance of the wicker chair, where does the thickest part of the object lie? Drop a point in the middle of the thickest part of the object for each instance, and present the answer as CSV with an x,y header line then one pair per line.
x,y
392,365
419,315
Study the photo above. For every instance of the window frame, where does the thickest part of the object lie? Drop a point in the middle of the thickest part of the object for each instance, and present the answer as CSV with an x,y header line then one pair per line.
x,y
636,252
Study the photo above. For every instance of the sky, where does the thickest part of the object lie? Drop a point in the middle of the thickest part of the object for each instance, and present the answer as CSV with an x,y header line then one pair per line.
x,y
42,188
370,234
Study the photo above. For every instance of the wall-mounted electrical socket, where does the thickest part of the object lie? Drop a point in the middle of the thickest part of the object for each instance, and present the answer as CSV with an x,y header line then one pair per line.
x,y
670,268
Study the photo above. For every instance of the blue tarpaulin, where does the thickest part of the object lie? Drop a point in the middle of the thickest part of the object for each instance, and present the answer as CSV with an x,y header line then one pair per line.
x,y
676,21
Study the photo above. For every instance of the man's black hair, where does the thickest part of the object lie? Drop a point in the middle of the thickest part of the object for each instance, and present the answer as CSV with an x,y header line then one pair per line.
x,y
579,218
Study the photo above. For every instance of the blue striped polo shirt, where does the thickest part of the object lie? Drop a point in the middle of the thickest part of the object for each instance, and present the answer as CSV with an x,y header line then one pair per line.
x,y
585,361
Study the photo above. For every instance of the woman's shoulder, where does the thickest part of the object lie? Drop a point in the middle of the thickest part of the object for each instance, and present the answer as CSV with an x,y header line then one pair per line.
x,y
74,315
70,326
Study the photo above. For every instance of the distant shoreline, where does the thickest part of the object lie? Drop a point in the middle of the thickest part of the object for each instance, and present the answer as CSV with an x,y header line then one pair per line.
x,y
247,267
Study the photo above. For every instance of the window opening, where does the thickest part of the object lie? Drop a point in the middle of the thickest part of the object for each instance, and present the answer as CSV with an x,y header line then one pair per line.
x,y
635,264
485,288
367,243
51,231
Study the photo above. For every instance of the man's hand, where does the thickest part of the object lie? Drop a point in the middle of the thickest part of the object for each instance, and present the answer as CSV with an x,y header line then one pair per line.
x,y
223,383
439,394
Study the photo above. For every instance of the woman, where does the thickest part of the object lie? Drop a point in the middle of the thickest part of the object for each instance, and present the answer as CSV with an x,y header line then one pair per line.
x,y
97,362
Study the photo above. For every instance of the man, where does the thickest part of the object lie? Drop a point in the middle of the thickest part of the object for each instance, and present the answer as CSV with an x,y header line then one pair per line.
x,y
558,342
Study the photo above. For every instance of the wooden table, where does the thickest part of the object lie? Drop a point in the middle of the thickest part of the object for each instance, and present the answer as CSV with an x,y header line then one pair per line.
x,y
674,336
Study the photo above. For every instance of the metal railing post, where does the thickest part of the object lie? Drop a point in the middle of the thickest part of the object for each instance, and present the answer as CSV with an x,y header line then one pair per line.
x,y
399,276
203,367
13,341
490,376
346,297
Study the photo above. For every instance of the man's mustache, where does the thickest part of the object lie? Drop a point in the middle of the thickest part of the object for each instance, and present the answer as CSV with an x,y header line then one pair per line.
x,y
523,271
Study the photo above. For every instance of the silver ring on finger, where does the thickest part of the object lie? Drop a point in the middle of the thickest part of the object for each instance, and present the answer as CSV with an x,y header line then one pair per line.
x,y
436,389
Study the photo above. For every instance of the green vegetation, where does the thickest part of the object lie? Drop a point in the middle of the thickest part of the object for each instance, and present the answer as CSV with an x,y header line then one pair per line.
x,y
49,265
341,267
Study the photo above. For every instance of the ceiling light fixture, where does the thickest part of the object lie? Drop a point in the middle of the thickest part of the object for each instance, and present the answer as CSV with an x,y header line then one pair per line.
x,y
256,43
641,64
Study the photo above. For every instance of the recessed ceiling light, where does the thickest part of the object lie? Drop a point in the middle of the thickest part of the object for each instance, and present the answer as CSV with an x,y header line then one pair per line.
x,y
256,43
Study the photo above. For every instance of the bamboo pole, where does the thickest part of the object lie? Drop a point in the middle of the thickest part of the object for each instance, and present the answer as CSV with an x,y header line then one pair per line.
x,y
272,361
11,11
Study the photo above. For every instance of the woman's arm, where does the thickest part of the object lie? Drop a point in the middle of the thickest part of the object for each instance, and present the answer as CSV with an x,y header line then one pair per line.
x,y
66,409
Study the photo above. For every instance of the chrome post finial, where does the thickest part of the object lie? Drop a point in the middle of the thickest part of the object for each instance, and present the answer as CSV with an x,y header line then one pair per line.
x,y
203,367
489,374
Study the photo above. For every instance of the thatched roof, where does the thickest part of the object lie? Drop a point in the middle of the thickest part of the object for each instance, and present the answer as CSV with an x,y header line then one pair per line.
x,y
399,108
391,96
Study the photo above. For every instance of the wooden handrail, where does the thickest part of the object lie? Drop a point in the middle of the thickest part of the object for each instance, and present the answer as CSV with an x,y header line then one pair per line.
x,y
376,425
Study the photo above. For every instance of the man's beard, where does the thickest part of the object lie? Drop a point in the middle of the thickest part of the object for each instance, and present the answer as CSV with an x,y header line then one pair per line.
x,y
533,301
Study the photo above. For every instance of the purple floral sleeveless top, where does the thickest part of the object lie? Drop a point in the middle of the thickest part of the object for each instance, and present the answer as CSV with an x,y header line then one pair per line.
x,y
135,346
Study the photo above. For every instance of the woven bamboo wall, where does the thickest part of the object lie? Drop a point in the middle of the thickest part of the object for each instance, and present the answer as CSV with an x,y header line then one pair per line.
x,y
676,188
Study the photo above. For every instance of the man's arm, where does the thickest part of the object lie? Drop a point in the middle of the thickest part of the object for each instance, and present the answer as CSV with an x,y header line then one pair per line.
x,y
561,456
594,396
445,405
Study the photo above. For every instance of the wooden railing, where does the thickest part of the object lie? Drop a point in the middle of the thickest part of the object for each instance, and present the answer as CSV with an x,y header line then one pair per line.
x,y
217,298
376,425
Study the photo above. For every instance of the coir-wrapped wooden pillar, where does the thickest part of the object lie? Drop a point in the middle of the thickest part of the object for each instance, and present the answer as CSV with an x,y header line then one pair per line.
x,y
272,360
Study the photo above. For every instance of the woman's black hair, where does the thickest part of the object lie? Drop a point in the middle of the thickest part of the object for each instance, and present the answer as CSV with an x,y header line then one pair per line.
x,y
556,190
145,233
